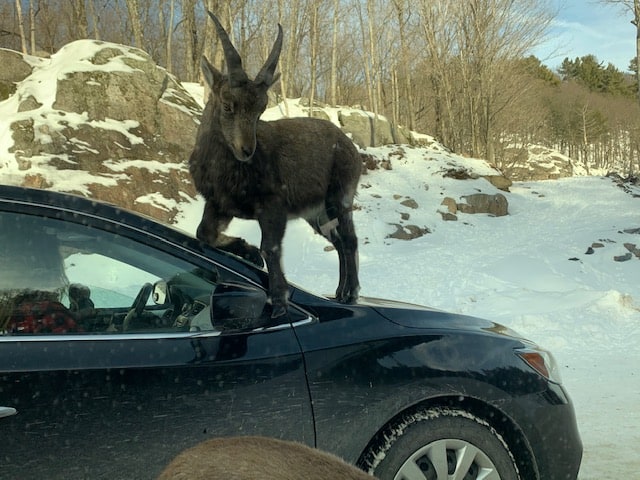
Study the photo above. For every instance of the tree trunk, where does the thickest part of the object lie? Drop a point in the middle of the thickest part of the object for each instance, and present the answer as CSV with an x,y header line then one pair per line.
x,y
133,8
314,34
169,46
636,22
94,19
286,66
32,27
334,55
23,39
188,11
404,68
373,50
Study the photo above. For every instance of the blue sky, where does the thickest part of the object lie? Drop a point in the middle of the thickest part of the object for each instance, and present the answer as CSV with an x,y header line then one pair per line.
x,y
584,27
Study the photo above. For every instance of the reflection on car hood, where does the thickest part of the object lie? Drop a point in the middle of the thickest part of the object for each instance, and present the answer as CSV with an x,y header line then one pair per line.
x,y
418,316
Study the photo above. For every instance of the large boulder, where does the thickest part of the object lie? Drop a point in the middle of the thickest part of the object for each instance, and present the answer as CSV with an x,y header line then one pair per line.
x,y
496,204
365,128
368,130
539,163
15,68
103,120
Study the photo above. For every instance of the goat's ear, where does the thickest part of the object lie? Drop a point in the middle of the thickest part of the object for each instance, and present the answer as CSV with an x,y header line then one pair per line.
x,y
212,75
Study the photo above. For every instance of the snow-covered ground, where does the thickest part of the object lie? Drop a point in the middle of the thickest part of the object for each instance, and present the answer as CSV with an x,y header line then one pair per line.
x,y
528,270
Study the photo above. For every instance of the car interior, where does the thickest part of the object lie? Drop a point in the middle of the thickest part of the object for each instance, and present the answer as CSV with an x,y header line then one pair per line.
x,y
62,277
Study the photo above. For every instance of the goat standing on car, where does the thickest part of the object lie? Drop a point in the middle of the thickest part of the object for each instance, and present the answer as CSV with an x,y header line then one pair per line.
x,y
272,171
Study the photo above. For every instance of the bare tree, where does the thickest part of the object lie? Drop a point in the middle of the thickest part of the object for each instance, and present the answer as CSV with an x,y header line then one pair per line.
x,y
210,38
439,40
315,40
632,7
23,39
370,52
287,61
32,26
133,7
78,21
402,12
94,19
478,42
190,26
333,85
169,34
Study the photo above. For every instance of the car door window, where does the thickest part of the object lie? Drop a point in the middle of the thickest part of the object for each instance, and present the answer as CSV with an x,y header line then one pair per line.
x,y
63,277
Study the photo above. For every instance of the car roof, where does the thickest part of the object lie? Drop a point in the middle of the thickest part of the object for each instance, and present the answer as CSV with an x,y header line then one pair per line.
x,y
103,211
87,206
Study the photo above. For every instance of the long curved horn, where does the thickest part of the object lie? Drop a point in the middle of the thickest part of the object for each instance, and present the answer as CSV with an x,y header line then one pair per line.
x,y
237,74
265,75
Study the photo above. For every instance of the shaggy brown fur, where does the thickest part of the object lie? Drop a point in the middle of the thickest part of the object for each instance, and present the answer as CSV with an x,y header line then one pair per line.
x,y
258,458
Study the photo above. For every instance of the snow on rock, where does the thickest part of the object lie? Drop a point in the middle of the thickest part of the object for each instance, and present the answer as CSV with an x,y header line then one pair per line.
x,y
537,162
102,120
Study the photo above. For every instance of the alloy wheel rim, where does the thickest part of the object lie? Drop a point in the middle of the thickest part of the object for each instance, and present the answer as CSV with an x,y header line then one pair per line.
x,y
448,459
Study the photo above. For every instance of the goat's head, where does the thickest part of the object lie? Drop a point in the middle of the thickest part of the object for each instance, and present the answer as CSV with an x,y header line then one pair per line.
x,y
240,99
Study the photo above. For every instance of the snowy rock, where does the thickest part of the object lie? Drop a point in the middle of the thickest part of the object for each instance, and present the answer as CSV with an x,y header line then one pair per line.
x,y
409,203
450,209
633,249
368,130
102,120
499,181
15,68
496,205
540,163
450,205
465,173
408,232
365,130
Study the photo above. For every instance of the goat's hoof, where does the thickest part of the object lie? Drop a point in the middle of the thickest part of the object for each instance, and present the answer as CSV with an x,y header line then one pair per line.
x,y
347,298
278,311
255,258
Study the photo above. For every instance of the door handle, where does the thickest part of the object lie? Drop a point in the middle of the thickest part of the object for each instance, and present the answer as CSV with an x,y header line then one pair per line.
x,y
7,411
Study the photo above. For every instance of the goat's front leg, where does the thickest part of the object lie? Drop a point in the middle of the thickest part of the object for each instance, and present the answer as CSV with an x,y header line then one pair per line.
x,y
211,229
273,224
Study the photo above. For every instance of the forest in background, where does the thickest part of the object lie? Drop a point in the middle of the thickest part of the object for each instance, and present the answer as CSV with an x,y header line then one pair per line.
x,y
460,71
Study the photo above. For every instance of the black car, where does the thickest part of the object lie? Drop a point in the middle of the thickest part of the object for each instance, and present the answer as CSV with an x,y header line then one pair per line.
x,y
124,341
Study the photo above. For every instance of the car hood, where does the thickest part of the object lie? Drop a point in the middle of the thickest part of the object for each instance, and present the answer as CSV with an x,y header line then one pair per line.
x,y
418,316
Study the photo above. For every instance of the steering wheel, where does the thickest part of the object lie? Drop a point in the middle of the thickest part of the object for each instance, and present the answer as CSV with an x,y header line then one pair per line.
x,y
138,305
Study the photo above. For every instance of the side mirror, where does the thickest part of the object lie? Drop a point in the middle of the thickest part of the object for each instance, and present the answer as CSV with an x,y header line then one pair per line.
x,y
160,294
237,306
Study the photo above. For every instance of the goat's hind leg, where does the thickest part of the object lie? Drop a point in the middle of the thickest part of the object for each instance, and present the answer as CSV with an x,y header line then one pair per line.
x,y
337,226
211,230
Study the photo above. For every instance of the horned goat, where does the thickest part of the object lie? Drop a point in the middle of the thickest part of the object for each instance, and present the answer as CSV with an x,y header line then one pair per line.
x,y
258,458
272,171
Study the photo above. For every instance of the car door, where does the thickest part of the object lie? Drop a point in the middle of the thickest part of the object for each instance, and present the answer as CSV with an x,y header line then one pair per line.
x,y
111,360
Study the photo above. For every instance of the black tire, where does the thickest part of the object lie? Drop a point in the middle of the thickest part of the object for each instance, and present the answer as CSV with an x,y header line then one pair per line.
x,y
443,443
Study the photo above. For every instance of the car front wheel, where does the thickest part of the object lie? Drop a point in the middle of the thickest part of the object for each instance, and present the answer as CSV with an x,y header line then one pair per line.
x,y
442,444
